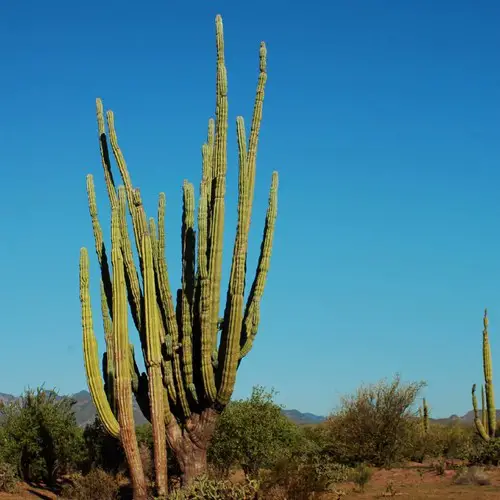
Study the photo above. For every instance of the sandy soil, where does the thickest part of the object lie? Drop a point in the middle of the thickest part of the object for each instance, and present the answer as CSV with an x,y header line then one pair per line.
x,y
412,483
419,484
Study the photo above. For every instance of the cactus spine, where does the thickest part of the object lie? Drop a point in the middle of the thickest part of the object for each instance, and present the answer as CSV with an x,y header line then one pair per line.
x,y
191,372
486,426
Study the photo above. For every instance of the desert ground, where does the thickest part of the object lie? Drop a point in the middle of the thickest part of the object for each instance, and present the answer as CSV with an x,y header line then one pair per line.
x,y
415,482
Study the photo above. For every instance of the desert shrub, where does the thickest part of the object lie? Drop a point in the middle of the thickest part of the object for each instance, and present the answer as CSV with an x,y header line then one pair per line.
x,y
375,425
8,478
40,437
458,441
361,476
304,476
96,485
472,475
213,489
253,434
104,451
485,453
452,441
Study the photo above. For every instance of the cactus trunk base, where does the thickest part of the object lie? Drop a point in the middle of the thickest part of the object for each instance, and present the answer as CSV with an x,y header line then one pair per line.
x,y
193,463
190,445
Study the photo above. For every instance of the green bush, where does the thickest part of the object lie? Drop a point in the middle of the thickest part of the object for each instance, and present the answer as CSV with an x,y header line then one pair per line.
x,y
40,437
205,488
8,478
375,425
253,434
103,450
361,476
96,485
303,476
452,441
485,453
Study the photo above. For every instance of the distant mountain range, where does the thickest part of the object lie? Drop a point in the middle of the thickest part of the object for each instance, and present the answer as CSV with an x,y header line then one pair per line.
x,y
85,411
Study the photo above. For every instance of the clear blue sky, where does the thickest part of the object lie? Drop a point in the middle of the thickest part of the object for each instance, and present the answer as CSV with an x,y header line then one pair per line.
x,y
383,121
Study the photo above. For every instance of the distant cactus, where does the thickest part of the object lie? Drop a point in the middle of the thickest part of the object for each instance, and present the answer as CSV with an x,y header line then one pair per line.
x,y
486,426
190,354
425,416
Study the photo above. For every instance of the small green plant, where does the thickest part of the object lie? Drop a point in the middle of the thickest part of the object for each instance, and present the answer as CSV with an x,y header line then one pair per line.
x,y
472,475
304,476
204,488
8,478
96,485
253,434
361,476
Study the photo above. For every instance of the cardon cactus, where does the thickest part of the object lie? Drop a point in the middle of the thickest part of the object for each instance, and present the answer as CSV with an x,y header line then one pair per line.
x,y
191,355
486,425
425,416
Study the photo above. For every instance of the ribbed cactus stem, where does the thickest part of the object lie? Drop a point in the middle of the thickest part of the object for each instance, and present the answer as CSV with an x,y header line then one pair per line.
x,y
132,277
219,168
484,413
99,241
207,345
105,159
188,285
425,416
488,379
90,352
255,129
108,357
477,421
252,311
122,363
233,317
153,365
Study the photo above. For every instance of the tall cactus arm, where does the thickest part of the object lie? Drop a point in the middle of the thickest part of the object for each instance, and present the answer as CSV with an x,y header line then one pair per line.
x,y
100,248
426,416
139,222
204,303
207,174
484,413
219,169
166,300
188,286
90,352
168,376
255,129
153,364
108,363
105,159
122,360
488,379
252,310
477,421
169,309
131,275
229,350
